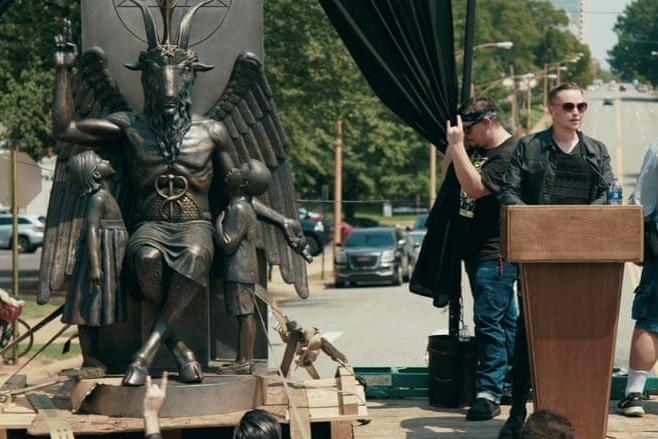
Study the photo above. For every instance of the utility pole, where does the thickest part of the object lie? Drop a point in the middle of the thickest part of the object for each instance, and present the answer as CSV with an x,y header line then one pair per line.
x,y
513,100
557,72
529,102
14,236
338,184
432,175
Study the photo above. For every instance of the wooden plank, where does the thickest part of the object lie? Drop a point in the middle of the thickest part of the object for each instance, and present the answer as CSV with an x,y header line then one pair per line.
x,y
572,233
342,430
316,400
12,421
349,404
299,415
58,426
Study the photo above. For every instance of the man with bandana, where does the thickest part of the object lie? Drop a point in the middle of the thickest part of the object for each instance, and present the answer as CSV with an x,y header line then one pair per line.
x,y
479,149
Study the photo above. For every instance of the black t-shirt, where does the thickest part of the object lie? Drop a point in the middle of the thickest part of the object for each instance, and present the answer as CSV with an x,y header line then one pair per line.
x,y
573,177
478,221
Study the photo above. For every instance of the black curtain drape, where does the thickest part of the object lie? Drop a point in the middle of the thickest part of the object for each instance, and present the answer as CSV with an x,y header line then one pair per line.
x,y
405,49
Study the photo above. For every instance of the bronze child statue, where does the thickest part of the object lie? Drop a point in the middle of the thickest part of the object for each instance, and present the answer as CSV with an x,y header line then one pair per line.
x,y
95,296
238,231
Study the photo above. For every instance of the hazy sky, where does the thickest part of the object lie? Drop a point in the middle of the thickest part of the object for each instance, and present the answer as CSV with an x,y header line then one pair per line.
x,y
600,16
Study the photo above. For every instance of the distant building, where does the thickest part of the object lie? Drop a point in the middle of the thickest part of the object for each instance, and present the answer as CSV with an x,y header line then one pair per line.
x,y
39,205
575,10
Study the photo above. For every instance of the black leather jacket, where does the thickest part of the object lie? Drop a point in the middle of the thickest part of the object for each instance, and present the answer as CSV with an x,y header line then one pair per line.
x,y
531,172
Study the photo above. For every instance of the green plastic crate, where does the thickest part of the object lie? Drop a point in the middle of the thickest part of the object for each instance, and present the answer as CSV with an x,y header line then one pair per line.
x,y
394,382
408,382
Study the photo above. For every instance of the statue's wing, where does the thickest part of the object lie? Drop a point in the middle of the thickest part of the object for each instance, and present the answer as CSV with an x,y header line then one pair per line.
x,y
247,109
95,96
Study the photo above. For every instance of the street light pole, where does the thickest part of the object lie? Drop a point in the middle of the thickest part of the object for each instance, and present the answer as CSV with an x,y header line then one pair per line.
x,y
14,237
338,183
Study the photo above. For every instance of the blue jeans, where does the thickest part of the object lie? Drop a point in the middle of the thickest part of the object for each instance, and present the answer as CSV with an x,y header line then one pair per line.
x,y
495,312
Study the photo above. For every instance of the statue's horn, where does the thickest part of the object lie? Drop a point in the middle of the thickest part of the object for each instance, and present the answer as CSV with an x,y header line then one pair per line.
x,y
149,25
186,25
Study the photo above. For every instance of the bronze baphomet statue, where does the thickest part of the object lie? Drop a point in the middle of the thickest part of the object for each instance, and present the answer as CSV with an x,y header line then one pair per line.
x,y
170,176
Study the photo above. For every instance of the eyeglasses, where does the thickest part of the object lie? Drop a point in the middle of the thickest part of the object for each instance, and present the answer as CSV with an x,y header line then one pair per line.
x,y
569,107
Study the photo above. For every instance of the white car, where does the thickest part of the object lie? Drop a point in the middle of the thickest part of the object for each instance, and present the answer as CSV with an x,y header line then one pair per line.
x,y
30,232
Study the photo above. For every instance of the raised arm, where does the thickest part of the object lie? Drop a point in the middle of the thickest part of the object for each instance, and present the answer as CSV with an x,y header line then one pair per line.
x,y
65,128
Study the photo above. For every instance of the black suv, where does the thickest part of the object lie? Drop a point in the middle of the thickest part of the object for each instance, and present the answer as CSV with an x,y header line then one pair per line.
x,y
378,254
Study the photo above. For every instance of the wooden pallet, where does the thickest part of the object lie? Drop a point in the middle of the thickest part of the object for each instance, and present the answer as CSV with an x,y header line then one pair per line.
x,y
304,405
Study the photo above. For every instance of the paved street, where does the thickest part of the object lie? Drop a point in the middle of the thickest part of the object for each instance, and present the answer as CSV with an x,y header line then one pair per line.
x,y
28,264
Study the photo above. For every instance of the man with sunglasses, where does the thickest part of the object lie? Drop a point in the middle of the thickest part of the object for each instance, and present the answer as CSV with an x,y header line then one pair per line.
x,y
479,149
560,165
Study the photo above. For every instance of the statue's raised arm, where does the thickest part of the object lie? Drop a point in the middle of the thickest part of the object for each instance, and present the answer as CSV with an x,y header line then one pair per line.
x,y
65,127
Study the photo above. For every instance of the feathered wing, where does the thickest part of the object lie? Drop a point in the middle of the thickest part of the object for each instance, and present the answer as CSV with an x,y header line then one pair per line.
x,y
247,109
95,95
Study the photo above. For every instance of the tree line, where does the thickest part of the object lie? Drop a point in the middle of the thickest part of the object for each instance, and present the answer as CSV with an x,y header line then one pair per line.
x,y
635,54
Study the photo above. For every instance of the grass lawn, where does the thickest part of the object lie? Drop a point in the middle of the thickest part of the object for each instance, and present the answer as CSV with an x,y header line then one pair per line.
x,y
32,311
54,352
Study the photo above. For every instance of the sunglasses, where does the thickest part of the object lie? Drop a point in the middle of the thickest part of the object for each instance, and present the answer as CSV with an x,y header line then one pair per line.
x,y
569,107
467,130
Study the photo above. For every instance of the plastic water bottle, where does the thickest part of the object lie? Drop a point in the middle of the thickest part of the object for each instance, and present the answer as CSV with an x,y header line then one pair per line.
x,y
615,192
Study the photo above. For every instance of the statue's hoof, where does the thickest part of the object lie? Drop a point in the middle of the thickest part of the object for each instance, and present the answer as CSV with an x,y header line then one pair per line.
x,y
190,372
135,375
235,368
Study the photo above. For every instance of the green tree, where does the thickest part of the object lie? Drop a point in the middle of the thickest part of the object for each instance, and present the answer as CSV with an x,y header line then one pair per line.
x,y
539,34
26,72
637,35
316,82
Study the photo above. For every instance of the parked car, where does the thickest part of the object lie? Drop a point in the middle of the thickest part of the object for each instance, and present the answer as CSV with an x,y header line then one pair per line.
x,y
416,237
345,229
307,214
378,254
608,100
421,221
317,234
622,88
362,222
30,232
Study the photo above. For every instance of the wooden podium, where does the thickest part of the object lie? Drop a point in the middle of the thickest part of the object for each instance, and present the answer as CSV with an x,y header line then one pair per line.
x,y
572,265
